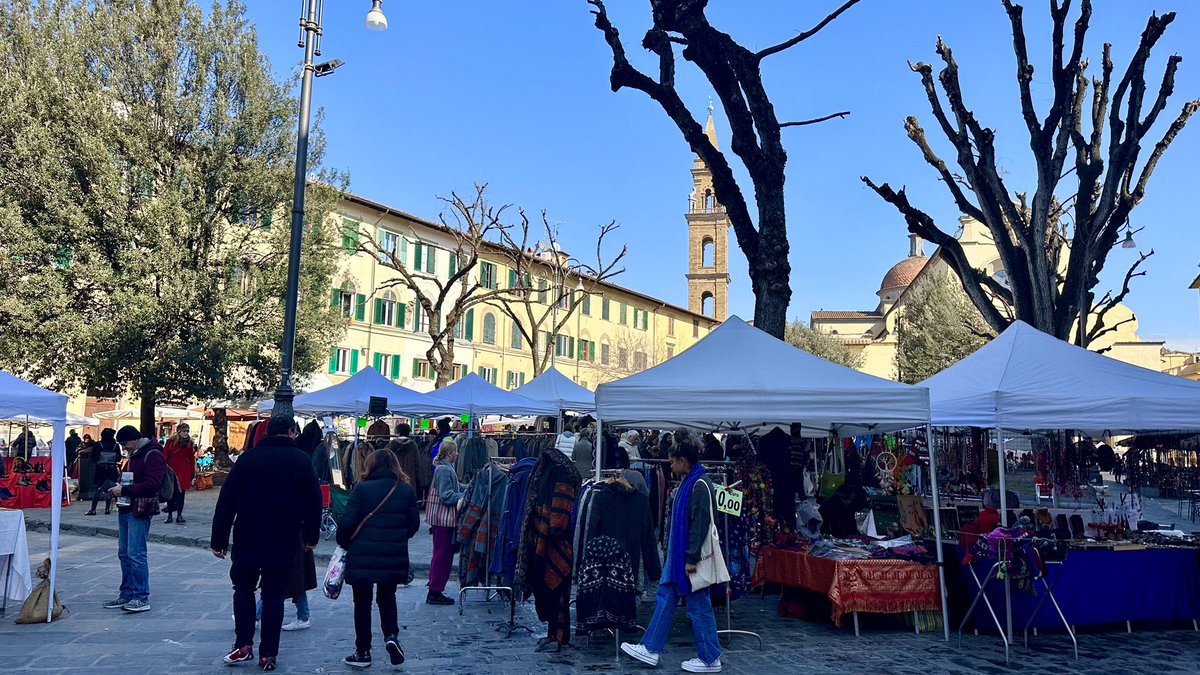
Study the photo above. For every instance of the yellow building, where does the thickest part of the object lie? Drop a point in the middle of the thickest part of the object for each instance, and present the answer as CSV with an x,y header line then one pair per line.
x,y
872,332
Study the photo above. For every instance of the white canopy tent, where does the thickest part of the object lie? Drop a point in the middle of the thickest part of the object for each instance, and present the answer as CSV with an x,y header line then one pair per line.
x,y
474,396
559,390
353,397
160,413
19,398
73,420
1026,379
738,377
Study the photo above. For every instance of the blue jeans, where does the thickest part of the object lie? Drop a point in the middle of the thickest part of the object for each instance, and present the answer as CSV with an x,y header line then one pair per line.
x,y
131,551
301,603
700,613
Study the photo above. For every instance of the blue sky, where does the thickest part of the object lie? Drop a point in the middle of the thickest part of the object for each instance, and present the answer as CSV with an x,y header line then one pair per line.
x,y
516,94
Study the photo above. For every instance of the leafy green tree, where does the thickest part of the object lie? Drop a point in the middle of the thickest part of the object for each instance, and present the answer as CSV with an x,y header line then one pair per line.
x,y
145,184
939,327
802,336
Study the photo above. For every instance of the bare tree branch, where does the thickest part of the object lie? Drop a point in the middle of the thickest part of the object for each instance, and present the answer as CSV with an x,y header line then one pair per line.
x,y
818,120
762,54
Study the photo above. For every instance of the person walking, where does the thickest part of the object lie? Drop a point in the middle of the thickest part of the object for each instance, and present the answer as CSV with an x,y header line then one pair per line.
x,y
73,442
381,516
691,516
105,456
581,454
272,503
180,452
149,469
441,512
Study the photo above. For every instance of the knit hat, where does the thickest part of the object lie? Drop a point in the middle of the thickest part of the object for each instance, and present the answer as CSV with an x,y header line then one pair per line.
x,y
128,433
183,426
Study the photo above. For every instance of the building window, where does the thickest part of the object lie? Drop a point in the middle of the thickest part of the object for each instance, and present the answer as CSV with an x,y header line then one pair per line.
x,y
622,357
706,304
389,246
670,351
541,298
671,326
564,345
624,314
349,236
489,329
517,341
587,351
487,275
695,328
514,379
488,374
424,258
385,310
706,253
604,354
709,202
564,298
342,360
604,310
387,365
421,370
639,360
586,307
457,371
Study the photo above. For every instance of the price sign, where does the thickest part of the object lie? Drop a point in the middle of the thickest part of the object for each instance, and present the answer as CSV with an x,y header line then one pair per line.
x,y
729,501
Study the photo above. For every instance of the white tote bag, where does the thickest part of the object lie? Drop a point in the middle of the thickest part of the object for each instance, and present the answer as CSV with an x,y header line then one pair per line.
x,y
711,568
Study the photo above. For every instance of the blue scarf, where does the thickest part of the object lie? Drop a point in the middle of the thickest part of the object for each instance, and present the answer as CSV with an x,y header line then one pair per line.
x,y
677,548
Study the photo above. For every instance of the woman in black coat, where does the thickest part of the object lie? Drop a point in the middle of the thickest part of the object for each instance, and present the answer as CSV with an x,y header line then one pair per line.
x,y
385,506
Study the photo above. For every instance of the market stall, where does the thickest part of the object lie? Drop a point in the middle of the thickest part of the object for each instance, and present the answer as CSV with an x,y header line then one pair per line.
x,y
557,389
1025,381
474,396
353,397
739,379
19,398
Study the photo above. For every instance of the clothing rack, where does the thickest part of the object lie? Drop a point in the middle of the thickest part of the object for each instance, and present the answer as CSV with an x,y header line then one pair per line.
x,y
720,474
501,464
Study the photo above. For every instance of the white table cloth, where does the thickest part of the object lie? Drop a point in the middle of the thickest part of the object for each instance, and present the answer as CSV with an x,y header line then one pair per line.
x,y
14,550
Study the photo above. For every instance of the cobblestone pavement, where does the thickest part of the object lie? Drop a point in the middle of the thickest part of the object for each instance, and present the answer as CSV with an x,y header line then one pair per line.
x,y
189,628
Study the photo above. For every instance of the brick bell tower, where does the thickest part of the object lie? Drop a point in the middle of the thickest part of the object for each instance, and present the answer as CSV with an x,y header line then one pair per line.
x,y
708,241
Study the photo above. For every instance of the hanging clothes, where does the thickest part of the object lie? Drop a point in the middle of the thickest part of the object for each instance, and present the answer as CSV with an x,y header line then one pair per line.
x,y
620,511
607,589
472,456
545,555
414,462
480,524
504,553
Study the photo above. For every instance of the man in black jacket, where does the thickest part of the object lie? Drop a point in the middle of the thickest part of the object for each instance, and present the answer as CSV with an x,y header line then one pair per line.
x,y
272,502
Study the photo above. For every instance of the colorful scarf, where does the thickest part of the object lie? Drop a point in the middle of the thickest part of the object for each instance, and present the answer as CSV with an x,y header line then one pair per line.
x,y
677,548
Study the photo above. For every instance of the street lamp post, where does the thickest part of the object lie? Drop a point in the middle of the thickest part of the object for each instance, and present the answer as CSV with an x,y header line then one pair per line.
x,y
310,41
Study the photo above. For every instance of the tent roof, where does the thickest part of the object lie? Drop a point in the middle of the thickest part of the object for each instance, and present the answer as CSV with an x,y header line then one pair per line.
x,y
474,396
73,420
739,375
353,397
557,389
1026,379
19,398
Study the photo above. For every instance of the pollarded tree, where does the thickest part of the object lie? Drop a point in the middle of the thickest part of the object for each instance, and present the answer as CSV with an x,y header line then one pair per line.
x,y
1054,245
939,327
144,148
735,73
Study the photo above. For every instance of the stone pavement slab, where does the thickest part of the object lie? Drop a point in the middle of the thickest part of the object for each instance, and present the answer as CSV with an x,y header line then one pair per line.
x,y
189,628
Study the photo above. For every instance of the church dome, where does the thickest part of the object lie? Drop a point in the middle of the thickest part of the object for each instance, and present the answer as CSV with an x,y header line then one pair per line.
x,y
902,274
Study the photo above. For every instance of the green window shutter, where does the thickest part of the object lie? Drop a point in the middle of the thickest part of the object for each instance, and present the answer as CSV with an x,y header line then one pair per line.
x,y
512,278
453,263
416,367
570,348
624,311
378,363
470,328
403,251
481,371
431,262
401,311
360,307
395,367
604,313
587,305
378,318
335,298
353,361
333,354
521,377
418,250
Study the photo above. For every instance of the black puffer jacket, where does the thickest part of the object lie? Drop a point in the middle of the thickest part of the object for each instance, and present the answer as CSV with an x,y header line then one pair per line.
x,y
380,553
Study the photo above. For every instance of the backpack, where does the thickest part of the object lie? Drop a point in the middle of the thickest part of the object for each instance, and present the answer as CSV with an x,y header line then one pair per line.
x,y
170,484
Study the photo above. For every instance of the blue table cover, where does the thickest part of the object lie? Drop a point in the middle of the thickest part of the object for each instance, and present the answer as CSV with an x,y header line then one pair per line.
x,y
1103,587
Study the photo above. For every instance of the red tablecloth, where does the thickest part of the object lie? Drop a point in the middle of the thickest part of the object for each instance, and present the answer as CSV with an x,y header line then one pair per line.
x,y
879,586
20,490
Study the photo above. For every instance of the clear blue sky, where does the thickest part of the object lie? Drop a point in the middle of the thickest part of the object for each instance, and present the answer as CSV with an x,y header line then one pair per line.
x,y
516,94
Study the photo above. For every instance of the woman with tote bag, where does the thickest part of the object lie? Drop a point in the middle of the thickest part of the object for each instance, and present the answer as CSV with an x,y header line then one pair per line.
x,y
441,512
381,516
694,562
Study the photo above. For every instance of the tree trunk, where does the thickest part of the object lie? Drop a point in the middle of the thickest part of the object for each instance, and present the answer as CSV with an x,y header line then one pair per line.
x,y
147,417
221,438
770,269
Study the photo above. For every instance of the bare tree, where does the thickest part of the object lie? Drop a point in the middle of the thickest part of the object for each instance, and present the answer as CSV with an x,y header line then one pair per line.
x,y
629,352
1053,247
736,76
541,277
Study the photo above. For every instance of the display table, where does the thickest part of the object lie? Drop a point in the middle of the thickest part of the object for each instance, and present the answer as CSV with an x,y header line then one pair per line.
x,y
878,586
14,560
1106,587
26,490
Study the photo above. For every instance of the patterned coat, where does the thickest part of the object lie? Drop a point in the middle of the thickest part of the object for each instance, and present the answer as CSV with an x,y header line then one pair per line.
x,y
545,556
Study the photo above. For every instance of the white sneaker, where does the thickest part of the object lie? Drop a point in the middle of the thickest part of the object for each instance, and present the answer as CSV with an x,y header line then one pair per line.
x,y
297,625
698,666
639,652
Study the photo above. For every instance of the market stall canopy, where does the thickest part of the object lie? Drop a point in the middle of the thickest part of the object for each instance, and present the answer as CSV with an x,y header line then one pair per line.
x,y
740,377
353,397
73,420
1026,379
474,396
558,390
160,413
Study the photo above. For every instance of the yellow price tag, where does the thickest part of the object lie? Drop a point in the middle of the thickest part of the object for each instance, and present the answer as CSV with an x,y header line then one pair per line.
x,y
729,501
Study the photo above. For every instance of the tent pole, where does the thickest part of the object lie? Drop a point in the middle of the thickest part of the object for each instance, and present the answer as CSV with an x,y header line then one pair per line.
x,y
1001,462
58,458
598,448
937,529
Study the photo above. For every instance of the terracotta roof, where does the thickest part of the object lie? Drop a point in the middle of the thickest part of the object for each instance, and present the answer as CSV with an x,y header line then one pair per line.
x,y
867,314
903,273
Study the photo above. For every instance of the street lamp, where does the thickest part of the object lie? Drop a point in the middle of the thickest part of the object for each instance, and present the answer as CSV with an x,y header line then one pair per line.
x,y
310,41
1129,242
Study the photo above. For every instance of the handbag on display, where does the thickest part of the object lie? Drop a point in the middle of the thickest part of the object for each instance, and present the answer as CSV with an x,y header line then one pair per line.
x,y
336,572
437,513
834,474
204,481
711,569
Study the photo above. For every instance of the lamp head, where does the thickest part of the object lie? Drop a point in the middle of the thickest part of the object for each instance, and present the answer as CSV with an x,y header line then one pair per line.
x,y
1129,242
326,68
376,21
